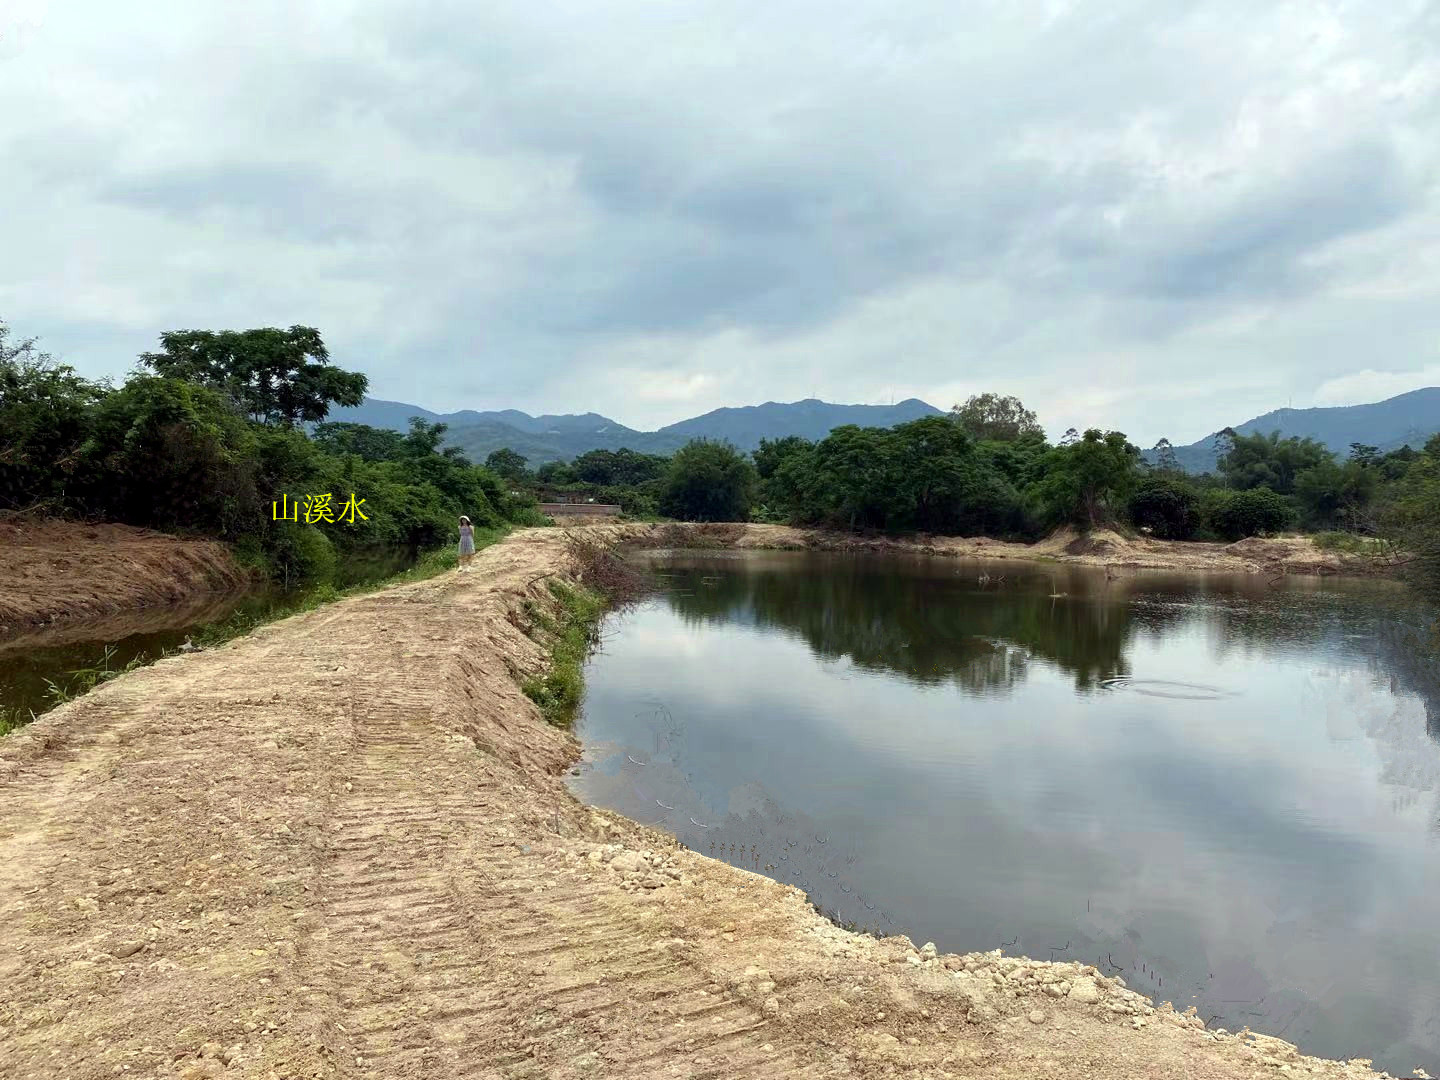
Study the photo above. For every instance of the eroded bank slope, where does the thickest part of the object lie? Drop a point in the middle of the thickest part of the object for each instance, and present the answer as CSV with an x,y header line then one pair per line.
x,y
340,847
60,572
1272,556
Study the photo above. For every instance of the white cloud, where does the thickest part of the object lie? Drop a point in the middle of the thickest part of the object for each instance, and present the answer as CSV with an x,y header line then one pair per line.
x,y
1157,218
1372,385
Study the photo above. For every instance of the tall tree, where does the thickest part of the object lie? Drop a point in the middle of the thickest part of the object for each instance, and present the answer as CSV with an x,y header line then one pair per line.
x,y
771,453
992,417
507,463
708,481
45,409
1252,461
273,375
1086,481
623,467
362,440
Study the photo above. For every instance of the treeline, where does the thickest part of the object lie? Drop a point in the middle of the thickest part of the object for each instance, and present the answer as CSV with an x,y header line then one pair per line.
x,y
215,429
208,435
987,468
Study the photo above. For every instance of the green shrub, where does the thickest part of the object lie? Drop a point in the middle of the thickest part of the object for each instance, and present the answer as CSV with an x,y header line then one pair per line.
x,y
1352,543
1234,515
1167,506
300,555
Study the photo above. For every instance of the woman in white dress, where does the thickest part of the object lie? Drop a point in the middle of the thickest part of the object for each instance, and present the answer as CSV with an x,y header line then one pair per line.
x,y
467,544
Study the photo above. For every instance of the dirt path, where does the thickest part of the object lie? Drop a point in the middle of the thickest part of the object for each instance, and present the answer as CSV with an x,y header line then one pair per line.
x,y
54,573
341,847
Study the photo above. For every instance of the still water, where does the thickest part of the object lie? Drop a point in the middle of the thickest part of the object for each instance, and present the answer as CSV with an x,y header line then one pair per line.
x,y
1227,790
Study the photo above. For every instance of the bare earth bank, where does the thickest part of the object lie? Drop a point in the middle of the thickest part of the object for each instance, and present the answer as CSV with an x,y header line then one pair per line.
x,y
341,847
1274,556
59,573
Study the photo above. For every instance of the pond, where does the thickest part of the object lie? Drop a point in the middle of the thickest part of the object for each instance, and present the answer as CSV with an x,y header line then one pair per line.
x,y
1225,789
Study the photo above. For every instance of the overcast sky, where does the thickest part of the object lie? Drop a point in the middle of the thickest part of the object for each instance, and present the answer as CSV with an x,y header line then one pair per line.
x,y
1152,215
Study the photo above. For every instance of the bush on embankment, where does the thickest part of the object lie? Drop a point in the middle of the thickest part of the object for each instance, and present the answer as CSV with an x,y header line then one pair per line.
x,y
211,440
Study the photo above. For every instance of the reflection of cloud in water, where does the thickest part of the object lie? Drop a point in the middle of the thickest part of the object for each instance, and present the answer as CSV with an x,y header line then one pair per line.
x,y
1254,856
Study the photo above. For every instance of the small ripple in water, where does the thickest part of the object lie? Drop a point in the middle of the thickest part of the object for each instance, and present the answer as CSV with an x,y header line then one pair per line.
x,y
1165,688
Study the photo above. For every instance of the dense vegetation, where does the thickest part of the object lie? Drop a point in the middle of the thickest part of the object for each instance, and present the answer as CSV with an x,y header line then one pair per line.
x,y
987,468
206,437
209,432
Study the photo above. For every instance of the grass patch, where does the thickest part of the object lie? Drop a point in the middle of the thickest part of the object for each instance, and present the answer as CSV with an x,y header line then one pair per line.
x,y
575,632
1370,547
1343,541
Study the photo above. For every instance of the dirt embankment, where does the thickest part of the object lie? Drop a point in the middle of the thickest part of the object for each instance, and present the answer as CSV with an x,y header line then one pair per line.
x,y
54,573
1273,556
341,847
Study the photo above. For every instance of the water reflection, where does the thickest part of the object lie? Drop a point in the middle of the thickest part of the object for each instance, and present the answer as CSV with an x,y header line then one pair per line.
x,y
979,624
1223,791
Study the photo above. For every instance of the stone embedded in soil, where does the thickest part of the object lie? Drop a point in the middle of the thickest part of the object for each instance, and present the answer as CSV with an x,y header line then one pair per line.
x,y
1084,991
1037,1016
627,862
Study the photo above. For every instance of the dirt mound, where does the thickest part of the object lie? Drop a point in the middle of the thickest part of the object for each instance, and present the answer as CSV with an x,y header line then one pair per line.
x,y
1098,543
340,848
696,534
59,572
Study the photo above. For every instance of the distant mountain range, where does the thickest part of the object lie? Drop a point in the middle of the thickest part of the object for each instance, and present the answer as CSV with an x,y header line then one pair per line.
x,y
1408,419
561,438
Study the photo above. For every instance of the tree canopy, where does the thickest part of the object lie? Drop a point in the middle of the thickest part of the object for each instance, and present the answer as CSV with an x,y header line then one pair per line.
x,y
1087,481
1251,461
273,375
997,418
507,463
708,481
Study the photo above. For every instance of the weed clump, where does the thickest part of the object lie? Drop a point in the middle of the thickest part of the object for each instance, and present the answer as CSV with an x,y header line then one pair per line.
x,y
604,581
573,634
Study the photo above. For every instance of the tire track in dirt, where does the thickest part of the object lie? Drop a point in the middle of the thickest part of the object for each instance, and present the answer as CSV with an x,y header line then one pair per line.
x,y
341,848
450,918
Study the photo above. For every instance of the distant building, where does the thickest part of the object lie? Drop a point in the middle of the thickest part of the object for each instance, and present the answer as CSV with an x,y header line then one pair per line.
x,y
588,509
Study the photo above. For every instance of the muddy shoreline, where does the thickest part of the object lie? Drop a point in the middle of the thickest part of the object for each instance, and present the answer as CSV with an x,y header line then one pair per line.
x,y
1277,557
